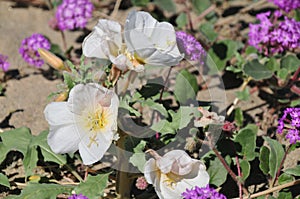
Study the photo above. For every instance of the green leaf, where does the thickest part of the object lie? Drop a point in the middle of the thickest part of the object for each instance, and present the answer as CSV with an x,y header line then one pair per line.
x,y
55,49
264,154
152,87
283,73
243,95
9,142
155,106
208,31
276,155
94,186
257,70
285,195
217,172
4,180
164,127
297,15
285,178
68,80
200,5
45,191
246,137
272,64
293,171
245,167
183,116
181,20
140,2
167,5
138,159
186,86
290,62
250,50
238,117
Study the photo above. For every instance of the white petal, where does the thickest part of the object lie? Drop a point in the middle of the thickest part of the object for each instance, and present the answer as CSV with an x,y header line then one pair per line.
x,y
57,113
153,42
150,171
92,152
63,135
182,164
64,138
104,40
120,61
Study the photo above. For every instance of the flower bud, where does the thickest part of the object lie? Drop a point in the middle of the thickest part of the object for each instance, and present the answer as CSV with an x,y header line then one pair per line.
x,y
51,59
62,97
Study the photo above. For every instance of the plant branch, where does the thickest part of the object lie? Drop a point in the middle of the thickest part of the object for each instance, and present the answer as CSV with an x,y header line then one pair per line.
x,y
165,84
280,166
116,9
240,176
271,190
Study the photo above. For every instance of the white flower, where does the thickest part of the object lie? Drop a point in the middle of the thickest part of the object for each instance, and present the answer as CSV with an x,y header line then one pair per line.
x,y
146,42
174,172
87,121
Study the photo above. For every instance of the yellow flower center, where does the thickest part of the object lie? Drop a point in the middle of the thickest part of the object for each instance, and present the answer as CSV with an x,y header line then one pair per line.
x,y
96,120
134,59
171,179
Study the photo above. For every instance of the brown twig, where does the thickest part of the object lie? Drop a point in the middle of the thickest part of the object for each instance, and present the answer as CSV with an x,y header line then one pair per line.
x,y
280,166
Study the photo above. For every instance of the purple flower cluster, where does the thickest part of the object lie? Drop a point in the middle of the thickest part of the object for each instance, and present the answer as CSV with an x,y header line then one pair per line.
x,y
29,49
191,48
287,5
72,14
292,117
75,196
269,37
202,193
4,64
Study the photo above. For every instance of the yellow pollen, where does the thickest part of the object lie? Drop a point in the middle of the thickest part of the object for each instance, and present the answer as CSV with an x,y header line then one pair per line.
x,y
97,120
171,179
134,59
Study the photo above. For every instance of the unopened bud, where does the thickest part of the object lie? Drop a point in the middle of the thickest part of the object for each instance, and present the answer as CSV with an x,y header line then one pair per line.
x,y
51,59
62,97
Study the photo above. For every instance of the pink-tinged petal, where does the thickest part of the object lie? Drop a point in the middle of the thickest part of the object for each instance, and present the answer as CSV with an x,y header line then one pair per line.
x,y
182,162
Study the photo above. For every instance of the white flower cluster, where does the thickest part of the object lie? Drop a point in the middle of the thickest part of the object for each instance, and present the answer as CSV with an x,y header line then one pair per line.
x,y
88,120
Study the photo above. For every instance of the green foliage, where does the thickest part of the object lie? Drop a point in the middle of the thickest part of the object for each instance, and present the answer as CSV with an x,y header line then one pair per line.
x,y
276,155
246,137
243,95
186,86
4,180
290,62
256,70
223,51
285,178
216,171
94,186
264,155
285,195
28,144
245,167
167,5
293,171
181,20
207,29
46,191
200,5
140,2
138,159
152,87
238,117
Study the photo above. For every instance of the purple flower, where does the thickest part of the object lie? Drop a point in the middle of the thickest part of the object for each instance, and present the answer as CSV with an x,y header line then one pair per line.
x,y
287,5
191,48
202,193
290,121
75,196
29,49
73,14
4,64
268,36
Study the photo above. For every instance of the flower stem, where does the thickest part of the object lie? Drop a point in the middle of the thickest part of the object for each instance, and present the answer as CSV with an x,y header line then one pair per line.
x,y
64,40
165,84
240,175
123,185
280,166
